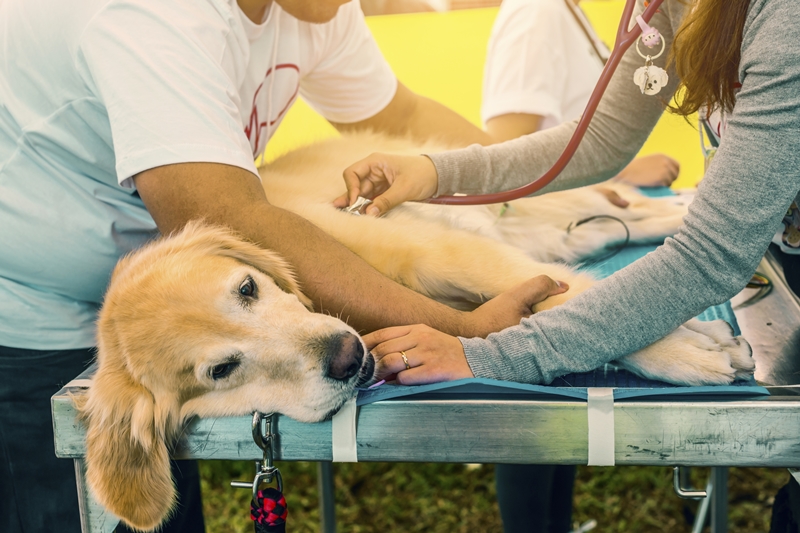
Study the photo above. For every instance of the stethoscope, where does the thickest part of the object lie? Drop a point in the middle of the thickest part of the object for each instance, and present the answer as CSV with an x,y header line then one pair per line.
x,y
625,38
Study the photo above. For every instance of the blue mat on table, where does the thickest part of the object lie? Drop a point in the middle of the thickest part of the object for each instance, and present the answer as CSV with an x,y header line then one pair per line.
x,y
573,386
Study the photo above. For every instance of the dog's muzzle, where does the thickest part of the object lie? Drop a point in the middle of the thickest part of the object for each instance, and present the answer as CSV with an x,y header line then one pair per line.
x,y
367,373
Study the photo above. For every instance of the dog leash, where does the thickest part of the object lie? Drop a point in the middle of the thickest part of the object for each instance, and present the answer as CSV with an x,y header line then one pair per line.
x,y
268,508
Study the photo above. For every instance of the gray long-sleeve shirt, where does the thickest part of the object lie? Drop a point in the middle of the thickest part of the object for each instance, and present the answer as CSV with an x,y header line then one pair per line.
x,y
747,189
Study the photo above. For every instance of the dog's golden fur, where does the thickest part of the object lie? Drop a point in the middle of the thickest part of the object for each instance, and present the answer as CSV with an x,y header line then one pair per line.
x,y
178,338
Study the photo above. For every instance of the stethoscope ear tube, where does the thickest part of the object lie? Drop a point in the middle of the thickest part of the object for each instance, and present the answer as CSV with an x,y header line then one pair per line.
x,y
625,38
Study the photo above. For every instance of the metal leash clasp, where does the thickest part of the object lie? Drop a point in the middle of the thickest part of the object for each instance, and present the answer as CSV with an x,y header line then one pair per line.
x,y
264,438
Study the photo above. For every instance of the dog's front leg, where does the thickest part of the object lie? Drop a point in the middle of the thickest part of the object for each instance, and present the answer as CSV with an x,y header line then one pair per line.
x,y
697,353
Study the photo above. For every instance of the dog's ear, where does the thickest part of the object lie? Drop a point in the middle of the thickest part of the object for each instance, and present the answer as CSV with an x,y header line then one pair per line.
x,y
220,241
127,460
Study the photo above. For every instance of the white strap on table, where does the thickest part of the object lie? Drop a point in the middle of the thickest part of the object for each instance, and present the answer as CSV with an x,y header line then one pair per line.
x,y
79,383
343,429
601,426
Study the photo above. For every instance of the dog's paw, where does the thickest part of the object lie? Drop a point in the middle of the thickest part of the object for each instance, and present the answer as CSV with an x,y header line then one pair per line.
x,y
736,346
697,353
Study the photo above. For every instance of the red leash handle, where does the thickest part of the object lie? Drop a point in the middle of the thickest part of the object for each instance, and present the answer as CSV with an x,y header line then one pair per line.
x,y
269,511
625,38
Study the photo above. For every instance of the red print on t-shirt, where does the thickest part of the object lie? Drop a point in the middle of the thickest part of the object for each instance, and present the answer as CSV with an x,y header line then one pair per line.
x,y
285,91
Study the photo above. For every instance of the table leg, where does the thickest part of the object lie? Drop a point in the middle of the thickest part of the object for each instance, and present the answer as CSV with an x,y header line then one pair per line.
x,y
94,518
327,502
719,500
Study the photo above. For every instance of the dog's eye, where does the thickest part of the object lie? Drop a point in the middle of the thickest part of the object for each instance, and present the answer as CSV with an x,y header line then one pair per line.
x,y
248,288
223,370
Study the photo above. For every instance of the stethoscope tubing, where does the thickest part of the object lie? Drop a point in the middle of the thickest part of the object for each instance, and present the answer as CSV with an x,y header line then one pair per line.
x,y
625,38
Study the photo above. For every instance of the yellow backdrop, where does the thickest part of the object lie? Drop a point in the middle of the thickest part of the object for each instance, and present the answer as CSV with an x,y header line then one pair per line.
x,y
441,55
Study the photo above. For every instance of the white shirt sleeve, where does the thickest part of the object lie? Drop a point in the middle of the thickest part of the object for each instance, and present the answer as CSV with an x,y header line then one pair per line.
x,y
351,80
525,70
157,69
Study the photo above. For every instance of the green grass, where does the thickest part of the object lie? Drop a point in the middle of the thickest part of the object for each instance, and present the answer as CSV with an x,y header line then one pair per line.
x,y
449,498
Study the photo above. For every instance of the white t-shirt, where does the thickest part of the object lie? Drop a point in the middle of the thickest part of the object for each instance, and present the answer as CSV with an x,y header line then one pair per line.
x,y
544,59
94,92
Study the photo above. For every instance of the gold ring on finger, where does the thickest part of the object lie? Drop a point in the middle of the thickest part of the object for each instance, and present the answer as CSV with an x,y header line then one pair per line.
x,y
405,359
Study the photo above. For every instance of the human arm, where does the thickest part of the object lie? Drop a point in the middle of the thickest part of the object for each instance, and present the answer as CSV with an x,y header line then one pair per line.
x,y
618,129
529,59
621,123
738,207
335,279
654,170
353,87
520,93
179,139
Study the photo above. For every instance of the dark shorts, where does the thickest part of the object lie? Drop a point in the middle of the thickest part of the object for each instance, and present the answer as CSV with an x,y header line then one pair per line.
x,y
37,490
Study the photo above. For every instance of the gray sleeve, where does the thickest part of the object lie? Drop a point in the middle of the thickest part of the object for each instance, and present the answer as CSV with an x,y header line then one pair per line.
x,y
622,122
739,205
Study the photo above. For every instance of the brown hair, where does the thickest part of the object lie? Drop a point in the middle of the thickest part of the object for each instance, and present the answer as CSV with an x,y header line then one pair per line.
x,y
707,52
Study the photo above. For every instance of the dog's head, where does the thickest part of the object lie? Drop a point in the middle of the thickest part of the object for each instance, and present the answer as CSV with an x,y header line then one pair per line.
x,y
202,323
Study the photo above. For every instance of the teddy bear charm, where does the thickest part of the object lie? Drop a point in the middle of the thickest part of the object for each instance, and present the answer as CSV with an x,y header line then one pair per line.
x,y
649,78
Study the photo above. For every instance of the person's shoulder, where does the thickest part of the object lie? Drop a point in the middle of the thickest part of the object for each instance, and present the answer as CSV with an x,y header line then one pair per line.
x,y
786,11
771,34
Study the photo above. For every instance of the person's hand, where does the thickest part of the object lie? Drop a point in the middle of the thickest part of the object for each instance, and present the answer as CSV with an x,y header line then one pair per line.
x,y
508,308
656,170
388,180
432,355
419,354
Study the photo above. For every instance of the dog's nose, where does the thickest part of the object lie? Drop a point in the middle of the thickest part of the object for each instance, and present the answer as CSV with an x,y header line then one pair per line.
x,y
345,354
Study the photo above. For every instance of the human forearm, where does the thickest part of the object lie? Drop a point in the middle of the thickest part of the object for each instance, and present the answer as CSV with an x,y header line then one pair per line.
x,y
335,279
621,123
339,282
618,316
432,120
738,207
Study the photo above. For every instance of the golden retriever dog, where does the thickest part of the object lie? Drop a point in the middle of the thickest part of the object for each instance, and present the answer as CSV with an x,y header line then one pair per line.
x,y
202,323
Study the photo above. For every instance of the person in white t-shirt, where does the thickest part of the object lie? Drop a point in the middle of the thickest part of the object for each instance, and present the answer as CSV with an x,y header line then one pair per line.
x,y
543,61
120,119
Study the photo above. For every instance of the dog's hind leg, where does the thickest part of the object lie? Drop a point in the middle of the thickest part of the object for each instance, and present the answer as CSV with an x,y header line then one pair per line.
x,y
455,267
473,269
575,224
459,268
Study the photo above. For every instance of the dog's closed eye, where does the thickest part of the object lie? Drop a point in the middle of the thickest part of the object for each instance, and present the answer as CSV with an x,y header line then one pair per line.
x,y
223,370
